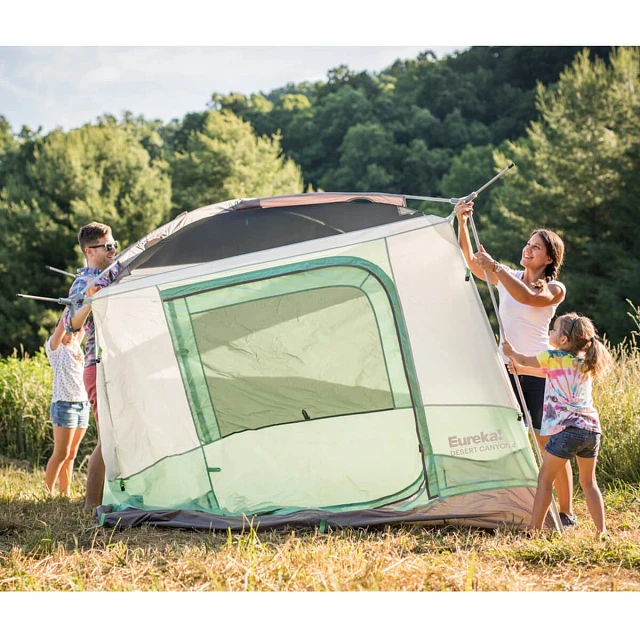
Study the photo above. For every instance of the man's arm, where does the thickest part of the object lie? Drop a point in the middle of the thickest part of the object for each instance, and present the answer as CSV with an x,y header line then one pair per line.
x,y
79,317
82,309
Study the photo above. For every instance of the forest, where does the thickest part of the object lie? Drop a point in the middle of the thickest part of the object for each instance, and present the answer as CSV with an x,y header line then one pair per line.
x,y
568,117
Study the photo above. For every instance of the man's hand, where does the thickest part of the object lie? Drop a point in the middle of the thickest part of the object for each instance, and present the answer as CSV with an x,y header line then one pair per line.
x,y
93,289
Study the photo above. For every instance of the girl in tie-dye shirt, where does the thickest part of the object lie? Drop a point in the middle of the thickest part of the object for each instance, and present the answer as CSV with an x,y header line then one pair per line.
x,y
570,419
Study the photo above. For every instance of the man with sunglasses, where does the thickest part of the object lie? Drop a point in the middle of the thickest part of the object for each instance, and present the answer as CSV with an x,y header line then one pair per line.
x,y
99,249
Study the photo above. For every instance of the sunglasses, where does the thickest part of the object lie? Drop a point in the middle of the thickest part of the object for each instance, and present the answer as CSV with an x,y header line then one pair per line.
x,y
108,246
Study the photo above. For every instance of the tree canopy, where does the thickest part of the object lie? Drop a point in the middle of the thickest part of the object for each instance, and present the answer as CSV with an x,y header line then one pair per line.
x,y
569,118
123,174
578,168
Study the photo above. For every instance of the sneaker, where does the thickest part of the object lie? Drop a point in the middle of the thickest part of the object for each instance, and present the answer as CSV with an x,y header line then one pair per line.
x,y
568,520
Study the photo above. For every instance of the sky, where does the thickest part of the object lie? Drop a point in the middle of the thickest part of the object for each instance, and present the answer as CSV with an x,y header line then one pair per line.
x,y
69,86
66,63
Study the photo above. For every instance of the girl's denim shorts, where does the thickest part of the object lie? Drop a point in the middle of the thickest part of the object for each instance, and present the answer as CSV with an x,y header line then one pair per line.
x,y
572,442
70,414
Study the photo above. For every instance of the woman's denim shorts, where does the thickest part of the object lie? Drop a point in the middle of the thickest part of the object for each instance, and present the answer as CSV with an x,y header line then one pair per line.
x,y
70,414
573,442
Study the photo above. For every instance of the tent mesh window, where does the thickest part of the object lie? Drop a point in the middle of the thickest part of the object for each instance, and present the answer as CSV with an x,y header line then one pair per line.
x,y
293,373
286,349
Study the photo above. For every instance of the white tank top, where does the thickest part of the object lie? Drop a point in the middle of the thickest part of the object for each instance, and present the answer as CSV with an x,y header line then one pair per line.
x,y
525,327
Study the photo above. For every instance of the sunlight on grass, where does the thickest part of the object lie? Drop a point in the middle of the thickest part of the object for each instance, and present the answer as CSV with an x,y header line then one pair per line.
x,y
50,545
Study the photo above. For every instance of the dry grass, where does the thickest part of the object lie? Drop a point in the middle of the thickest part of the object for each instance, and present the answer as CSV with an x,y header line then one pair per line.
x,y
49,545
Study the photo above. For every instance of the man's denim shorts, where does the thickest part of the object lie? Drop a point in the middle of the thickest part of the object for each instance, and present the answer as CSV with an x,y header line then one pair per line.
x,y
70,414
573,442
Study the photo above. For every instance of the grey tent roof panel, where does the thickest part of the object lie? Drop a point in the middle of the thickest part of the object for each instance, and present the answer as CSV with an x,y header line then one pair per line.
x,y
257,225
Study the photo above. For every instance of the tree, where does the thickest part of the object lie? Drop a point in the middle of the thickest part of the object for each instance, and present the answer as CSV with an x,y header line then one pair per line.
x,y
227,160
51,186
576,169
367,158
7,140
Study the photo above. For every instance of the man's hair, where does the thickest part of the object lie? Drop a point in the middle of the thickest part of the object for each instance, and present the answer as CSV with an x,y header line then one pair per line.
x,y
92,232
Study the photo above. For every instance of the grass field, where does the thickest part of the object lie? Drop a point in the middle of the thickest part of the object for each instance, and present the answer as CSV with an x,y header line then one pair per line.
x,y
50,545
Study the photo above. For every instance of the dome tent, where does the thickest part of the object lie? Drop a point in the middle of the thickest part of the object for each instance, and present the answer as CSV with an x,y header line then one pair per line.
x,y
305,359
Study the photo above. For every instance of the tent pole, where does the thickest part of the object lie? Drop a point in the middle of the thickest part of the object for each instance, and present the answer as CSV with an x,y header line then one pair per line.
x,y
68,302
472,196
64,273
527,417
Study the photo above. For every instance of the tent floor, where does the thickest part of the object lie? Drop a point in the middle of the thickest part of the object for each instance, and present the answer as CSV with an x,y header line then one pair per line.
x,y
488,510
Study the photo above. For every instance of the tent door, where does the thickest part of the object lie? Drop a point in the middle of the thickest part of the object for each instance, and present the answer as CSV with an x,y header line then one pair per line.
x,y
300,386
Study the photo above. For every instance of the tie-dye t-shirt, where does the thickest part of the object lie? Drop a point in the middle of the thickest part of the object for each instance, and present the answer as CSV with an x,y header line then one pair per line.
x,y
567,394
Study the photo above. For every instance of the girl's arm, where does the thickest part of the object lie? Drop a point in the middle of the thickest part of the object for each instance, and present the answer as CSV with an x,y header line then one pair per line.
x,y
463,210
519,358
526,371
57,335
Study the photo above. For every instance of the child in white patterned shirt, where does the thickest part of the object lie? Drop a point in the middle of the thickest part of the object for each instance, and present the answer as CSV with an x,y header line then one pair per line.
x,y
69,405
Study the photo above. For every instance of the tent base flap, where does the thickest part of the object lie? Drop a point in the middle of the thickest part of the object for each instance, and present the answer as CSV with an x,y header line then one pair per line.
x,y
488,510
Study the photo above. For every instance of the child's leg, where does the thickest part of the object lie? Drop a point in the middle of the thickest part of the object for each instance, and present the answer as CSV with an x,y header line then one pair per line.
x,y
587,468
66,472
563,482
551,467
62,439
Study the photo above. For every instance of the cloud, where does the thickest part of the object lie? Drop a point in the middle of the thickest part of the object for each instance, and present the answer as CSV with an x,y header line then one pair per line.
x,y
69,86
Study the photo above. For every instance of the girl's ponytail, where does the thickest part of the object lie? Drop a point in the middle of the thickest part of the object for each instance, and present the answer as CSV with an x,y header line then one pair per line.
x,y
597,359
582,336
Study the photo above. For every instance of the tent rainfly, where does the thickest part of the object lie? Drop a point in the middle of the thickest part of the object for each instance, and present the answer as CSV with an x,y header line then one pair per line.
x,y
317,359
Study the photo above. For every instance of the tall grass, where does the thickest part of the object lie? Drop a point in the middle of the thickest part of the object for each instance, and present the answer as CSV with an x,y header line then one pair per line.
x,y
25,397
51,545
617,398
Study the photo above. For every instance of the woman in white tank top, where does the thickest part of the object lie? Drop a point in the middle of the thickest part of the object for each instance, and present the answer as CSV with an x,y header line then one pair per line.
x,y
528,302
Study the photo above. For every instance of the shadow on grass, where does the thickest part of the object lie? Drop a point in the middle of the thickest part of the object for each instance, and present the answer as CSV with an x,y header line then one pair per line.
x,y
40,524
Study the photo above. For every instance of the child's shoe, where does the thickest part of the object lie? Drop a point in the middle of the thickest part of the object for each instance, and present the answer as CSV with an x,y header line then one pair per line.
x,y
568,520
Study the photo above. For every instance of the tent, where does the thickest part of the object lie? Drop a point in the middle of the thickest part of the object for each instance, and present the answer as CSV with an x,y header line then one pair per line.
x,y
316,359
